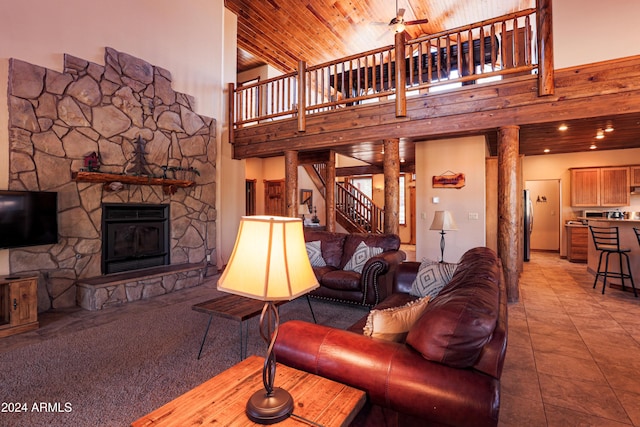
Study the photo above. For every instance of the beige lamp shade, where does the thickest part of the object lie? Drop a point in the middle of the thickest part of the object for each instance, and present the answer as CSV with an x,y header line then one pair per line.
x,y
303,209
443,220
269,261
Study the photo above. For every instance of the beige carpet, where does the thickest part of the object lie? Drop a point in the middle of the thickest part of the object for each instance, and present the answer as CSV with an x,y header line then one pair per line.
x,y
113,372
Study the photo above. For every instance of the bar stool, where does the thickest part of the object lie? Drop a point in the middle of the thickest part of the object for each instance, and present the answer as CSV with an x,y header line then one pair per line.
x,y
637,230
607,241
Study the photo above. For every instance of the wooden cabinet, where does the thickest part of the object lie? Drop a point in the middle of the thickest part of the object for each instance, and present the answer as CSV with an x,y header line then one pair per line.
x,y
608,186
577,243
585,187
18,304
615,186
635,176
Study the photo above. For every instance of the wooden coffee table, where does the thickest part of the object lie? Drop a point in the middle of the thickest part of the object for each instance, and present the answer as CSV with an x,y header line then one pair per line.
x,y
222,400
237,308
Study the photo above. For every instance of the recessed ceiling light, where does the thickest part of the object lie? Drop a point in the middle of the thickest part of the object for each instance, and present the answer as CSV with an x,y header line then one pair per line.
x,y
563,127
546,150
593,147
600,134
609,128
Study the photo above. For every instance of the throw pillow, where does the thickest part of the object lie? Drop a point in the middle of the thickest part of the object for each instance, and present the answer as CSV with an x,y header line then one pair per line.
x,y
431,278
393,324
314,251
360,257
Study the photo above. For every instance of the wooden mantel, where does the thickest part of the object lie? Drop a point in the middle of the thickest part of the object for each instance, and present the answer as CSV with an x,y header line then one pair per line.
x,y
169,186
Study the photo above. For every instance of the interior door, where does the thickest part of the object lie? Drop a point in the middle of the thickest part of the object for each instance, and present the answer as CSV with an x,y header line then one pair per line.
x,y
545,202
274,197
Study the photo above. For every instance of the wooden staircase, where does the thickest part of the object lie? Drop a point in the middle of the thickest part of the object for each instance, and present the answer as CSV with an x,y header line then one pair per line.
x,y
355,211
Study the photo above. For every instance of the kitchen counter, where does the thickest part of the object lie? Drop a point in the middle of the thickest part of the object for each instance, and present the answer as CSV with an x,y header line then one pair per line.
x,y
608,220
628,240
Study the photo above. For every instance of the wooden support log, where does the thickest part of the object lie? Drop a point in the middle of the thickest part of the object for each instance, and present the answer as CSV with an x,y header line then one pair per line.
x,y
391,164
291,183
546,76
401,76
330,192
508,202
302,96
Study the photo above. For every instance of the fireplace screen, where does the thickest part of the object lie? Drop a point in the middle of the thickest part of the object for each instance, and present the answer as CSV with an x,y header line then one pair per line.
x,y
134,236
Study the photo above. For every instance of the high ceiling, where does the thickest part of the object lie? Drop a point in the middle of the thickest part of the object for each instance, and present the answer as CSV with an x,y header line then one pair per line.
x,y
282,32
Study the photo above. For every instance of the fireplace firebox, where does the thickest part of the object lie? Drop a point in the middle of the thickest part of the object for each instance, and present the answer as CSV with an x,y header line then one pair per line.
x,y
134,236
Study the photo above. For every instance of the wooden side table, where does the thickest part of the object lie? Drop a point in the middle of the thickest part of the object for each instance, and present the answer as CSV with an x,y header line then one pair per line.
x,y
221,400
237,308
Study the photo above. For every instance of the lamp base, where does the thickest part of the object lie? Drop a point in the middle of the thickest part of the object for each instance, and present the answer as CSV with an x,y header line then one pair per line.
x,y
270,409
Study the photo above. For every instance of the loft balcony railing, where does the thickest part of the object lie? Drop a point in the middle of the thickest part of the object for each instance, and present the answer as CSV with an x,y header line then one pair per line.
x,y
472,54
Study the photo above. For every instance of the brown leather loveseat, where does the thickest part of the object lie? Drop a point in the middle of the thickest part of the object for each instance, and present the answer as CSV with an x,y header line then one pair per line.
x,y
448,370
342,279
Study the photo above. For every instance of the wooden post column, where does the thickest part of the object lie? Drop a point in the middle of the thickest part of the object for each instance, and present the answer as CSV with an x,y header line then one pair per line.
x,y
330,192
401,76
391,167
291,183
508,200
546,77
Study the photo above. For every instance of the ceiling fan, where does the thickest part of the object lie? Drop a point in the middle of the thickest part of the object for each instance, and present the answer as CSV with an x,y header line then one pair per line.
x,y
398,24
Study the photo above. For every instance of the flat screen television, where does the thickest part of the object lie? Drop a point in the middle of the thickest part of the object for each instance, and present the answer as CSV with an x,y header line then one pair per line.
x,y
28,218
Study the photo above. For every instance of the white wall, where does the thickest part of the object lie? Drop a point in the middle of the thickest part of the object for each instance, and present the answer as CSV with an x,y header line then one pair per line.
x,y
462,155
189,39
586,31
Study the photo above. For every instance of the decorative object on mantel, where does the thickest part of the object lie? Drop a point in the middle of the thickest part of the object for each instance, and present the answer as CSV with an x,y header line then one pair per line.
x,y
443,221
91,162
315,218
448,179
191,172
139,163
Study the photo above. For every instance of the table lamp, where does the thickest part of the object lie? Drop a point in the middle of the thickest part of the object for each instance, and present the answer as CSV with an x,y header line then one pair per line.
x,y
303,209
269,262
443,221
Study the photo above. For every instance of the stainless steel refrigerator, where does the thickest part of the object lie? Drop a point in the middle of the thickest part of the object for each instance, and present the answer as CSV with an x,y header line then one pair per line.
x,y
528,224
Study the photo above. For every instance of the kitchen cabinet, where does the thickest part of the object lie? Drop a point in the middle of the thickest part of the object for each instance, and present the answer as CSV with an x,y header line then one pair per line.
x,y
577,243
18,304
605,186
615,186
585,187
635,176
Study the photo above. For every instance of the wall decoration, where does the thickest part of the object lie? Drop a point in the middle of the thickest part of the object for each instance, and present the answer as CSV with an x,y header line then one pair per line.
x,y
448,179
306,198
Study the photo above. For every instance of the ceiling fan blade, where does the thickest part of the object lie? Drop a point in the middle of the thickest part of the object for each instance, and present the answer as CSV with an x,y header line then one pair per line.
x,y
417,22
400,13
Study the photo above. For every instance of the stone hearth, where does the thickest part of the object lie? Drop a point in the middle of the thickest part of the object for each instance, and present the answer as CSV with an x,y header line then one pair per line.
x,y
58,118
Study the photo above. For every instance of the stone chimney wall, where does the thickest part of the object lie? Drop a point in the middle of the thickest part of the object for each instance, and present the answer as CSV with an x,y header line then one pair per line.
x,y
56,119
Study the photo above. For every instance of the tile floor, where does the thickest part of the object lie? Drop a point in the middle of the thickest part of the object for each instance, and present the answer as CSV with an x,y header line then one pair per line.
x,y
573,357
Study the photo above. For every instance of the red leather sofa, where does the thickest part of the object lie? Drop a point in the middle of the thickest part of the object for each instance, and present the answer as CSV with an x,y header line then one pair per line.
x,y
447,373
368,287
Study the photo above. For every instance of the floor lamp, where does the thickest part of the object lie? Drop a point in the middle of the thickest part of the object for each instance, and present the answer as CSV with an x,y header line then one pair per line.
x,y
443,221
269,262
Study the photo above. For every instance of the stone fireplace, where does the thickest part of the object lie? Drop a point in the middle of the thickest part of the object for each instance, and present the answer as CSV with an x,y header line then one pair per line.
x,y
57,119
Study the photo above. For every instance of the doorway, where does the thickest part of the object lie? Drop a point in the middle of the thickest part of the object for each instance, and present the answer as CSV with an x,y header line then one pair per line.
x,y
274,197
547,218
